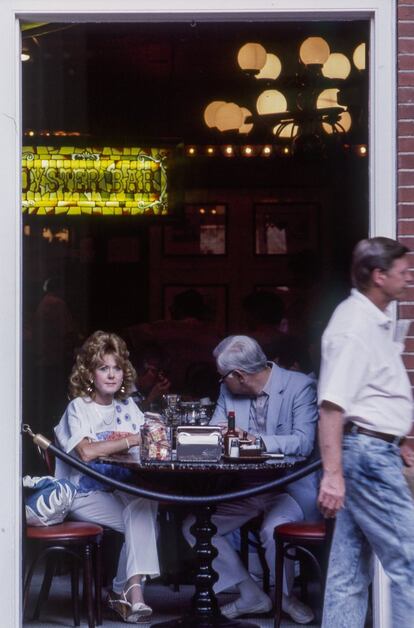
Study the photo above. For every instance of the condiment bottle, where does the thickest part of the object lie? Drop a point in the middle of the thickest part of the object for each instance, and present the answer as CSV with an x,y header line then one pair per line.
x,y
231,437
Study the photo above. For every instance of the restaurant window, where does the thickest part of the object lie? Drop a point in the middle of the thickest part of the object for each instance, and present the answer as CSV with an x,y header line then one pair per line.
x,y
224,158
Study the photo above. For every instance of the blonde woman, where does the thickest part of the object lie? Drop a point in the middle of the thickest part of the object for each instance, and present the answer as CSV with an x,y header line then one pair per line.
x,y
101,420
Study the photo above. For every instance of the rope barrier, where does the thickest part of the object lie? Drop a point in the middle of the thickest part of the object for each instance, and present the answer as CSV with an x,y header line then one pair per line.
x,y
42,442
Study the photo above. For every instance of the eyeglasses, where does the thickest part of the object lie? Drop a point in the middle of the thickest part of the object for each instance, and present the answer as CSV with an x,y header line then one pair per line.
x,y
223,377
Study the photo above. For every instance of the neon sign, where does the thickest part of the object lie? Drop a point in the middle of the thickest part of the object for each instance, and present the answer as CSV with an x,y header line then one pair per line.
x,y
94,181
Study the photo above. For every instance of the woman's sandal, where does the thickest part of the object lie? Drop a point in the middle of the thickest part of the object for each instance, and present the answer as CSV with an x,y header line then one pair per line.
x,y
121,608
130,613
140,609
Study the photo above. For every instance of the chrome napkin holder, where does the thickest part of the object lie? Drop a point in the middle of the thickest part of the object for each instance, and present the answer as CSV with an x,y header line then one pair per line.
x,y
196,443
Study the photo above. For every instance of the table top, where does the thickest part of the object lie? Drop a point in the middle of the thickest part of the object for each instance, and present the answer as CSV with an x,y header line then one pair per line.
x,y
133,462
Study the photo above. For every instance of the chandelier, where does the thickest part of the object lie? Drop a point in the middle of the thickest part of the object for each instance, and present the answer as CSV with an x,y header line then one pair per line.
x,y
315,105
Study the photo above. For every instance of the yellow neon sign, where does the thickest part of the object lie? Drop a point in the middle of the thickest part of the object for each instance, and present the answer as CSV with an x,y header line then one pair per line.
x,y
94,181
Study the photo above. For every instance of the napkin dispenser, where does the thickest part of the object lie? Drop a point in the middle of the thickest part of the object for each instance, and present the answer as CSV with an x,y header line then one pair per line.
x,y
198,443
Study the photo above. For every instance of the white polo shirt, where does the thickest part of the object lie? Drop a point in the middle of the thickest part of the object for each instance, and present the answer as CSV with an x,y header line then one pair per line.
x,y
362,370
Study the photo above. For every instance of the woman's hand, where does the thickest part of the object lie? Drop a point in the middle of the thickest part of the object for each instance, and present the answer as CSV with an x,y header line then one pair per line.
x,y
133,439
88,450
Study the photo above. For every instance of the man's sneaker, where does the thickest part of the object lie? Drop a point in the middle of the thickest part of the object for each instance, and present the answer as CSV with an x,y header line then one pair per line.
x,y
298,611
231,610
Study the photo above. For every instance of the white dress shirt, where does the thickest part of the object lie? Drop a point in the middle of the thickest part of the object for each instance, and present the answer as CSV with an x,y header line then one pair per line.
x,y
362,370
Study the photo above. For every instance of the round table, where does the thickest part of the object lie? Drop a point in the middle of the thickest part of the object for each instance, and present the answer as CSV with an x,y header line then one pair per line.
x,y
202,479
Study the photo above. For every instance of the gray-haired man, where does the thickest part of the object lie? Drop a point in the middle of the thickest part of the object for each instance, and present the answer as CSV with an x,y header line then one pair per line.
x,y
280,407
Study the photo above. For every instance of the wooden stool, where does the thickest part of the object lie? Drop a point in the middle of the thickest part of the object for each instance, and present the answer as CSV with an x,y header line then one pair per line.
x,y
252,528
81,541
293,541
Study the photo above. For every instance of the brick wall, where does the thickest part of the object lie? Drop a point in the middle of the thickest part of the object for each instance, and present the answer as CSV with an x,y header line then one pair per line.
x,y
405,149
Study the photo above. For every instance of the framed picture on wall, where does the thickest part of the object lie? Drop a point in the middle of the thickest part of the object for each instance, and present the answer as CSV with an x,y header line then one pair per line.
x,y
285,228
213,296
201,232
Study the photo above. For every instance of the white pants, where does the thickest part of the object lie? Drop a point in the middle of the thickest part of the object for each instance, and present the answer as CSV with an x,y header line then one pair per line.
x,y
276,508
135,517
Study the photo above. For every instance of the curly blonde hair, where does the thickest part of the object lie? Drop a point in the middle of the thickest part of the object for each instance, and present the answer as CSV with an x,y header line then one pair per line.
x,y
91,356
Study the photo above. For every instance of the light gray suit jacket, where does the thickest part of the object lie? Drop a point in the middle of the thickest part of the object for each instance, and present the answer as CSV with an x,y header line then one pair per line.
x,y
290,426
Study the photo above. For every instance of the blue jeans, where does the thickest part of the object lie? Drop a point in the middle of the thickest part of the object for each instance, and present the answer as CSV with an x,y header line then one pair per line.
x,y
378,518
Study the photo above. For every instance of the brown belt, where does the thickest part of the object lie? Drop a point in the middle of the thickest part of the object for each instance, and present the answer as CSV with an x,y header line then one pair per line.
x,y
352,428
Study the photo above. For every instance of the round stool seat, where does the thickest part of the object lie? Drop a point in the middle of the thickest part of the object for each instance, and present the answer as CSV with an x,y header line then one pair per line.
x,y
68,530
302,530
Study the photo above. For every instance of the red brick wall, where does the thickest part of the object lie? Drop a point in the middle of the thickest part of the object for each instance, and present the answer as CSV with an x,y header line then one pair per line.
x,y
405,149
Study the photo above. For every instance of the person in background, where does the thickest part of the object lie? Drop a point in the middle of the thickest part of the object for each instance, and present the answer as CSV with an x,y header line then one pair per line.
x,y
187,338
293,354
264,313
151,382
101,420
279,407
53,341
366,410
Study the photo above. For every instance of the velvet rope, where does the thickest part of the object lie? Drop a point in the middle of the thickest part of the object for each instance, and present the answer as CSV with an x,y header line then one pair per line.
x,y
184,499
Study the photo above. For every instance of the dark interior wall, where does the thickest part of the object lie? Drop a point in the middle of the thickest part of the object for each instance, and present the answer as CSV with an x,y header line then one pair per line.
x,y
116,270
335,192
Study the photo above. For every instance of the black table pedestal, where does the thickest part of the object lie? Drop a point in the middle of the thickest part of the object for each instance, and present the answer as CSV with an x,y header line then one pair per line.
x,y
205,612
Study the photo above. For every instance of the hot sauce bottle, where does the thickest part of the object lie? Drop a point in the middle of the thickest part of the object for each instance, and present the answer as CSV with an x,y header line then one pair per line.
x,y
231,437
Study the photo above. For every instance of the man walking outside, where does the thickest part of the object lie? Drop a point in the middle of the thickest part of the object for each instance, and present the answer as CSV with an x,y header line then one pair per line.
x,y
366,410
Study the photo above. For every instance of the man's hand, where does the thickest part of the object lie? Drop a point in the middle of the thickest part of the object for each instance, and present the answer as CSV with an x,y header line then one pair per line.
x,y
159,389
246,435
331,494
332,490
407,454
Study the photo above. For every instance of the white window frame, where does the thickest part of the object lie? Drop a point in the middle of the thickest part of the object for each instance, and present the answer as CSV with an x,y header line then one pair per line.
x,y
382,165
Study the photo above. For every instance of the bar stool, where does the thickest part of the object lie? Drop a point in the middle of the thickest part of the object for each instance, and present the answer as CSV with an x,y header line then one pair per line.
x,y
250,537
111,538
81,542
293,541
